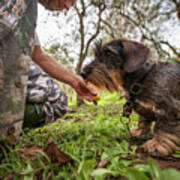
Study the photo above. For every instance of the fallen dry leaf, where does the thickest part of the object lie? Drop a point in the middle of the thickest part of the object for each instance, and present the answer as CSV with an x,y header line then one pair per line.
x,y
29,153
56,155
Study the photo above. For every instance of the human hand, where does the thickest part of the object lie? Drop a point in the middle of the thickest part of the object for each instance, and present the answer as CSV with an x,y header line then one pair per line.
x,y
81,88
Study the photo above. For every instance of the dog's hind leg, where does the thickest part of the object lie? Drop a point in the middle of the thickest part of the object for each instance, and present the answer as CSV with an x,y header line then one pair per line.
x,y
143,127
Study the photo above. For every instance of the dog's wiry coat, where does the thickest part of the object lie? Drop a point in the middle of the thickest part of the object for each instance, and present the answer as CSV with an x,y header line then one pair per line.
x,y
120,63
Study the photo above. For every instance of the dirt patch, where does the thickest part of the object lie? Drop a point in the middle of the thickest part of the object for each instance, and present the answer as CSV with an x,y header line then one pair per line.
x,y
164,162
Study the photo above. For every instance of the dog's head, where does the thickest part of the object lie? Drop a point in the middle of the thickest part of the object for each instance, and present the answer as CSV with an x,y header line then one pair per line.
x,y
112,61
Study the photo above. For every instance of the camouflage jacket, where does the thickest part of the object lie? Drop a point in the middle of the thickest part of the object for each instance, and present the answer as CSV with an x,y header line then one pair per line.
x,y
11,11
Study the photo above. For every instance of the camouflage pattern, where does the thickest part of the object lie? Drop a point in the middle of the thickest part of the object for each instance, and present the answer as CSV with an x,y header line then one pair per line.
x,y
15,51
45,101
11,12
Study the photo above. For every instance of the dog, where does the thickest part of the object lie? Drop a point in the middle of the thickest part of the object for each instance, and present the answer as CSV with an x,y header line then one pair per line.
x,y
152,89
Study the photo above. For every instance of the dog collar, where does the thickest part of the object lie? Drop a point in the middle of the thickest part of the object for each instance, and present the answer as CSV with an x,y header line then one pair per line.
x,y
135,87
134,81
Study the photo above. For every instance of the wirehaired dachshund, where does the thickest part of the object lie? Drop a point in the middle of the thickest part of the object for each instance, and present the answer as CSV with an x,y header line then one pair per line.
x,y
151,89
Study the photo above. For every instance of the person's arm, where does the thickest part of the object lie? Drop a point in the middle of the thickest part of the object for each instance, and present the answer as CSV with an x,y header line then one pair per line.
x,y
49,65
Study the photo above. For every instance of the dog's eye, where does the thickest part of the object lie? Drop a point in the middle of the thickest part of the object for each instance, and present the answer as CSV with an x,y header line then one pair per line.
x,y
108,53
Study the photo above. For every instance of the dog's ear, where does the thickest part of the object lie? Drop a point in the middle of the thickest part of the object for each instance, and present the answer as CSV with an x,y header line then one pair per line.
x,y
135,54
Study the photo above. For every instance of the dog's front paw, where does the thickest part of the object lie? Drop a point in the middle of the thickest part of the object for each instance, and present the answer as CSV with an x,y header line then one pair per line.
x,y
162,144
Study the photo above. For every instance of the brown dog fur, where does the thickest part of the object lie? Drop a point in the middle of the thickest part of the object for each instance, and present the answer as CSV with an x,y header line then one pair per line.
x,y
117,65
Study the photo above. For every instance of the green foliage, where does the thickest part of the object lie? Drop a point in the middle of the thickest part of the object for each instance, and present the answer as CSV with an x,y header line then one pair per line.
x,y
89,136
151,171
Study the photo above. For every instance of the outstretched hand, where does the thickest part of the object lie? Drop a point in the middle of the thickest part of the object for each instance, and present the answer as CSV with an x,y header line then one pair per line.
x,y
81,88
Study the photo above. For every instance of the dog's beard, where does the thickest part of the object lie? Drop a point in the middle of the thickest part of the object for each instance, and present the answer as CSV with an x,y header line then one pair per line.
x,y
102,78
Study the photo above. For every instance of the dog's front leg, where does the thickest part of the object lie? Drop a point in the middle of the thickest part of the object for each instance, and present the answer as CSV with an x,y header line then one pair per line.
x,y
162,144
143,127
165,141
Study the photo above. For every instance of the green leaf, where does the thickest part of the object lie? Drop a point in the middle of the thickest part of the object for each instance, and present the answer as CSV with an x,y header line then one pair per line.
x,y
176,154
155,169
143,168
171,174
135,174
30,177
126,163
102,172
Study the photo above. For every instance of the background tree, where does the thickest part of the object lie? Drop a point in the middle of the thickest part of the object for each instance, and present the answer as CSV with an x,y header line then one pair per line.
x,y
146,21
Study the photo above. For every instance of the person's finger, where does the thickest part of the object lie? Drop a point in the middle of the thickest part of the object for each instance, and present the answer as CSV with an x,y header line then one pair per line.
x,y
93,93
84,94
88,90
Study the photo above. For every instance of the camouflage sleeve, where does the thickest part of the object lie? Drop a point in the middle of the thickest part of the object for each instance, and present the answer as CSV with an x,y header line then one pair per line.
x,y
15,51
11,11
4,30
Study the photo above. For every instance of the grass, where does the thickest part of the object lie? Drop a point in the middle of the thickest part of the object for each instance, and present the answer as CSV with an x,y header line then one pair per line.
x,y
91,135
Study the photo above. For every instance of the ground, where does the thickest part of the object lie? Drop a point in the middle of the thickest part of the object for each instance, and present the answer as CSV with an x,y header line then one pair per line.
x,y
89,143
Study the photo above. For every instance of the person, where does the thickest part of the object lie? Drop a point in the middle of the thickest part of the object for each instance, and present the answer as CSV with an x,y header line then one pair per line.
x,y
45,100
17,25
